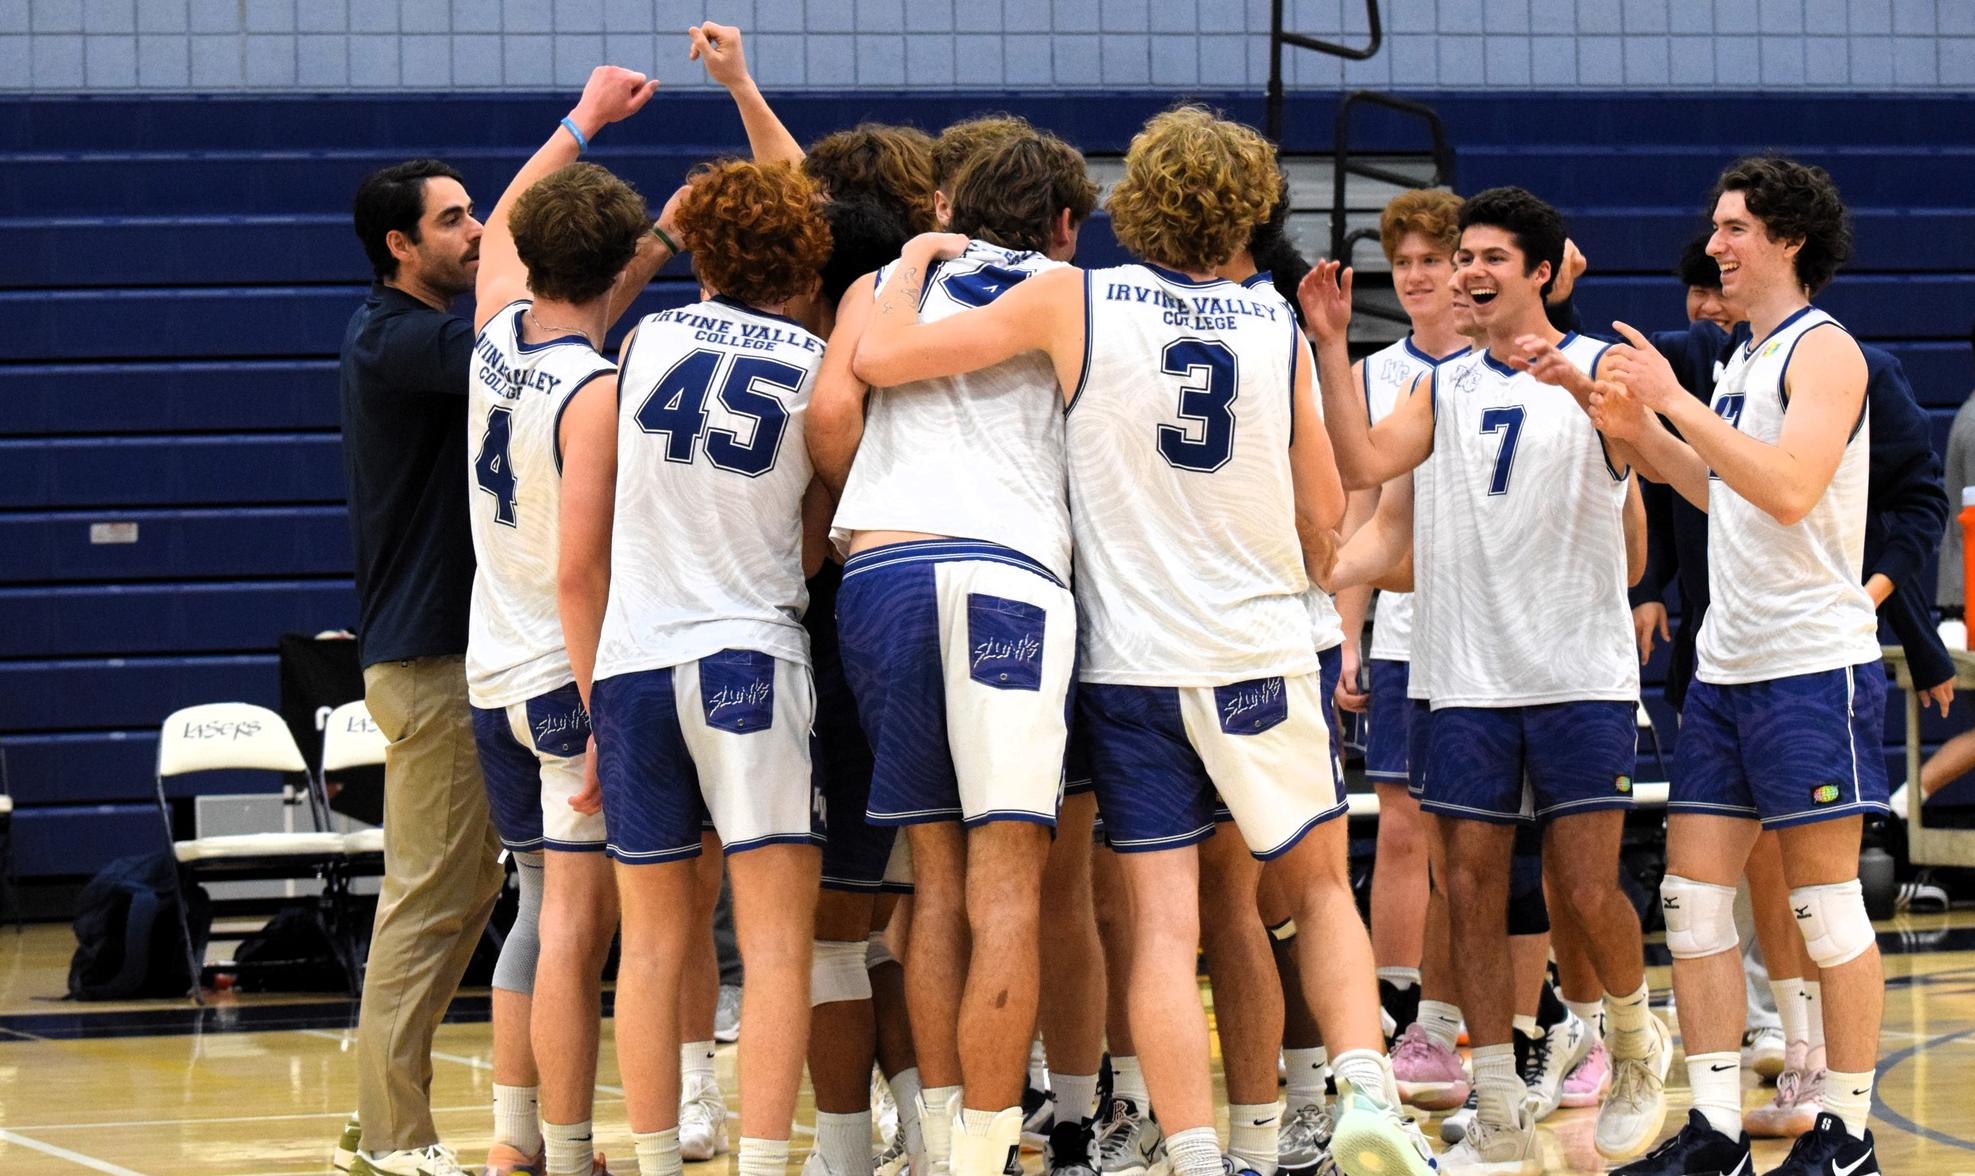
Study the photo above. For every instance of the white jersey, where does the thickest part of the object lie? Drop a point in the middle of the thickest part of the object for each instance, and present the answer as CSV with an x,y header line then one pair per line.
x,y
1189,571
515,397
1524,590
706,552
1785,600
1388,375
975,456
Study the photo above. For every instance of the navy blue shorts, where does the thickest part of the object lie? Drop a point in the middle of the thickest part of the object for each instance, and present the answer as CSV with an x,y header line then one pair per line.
x,y
1577,757
1388,723
961,656
532,756
1419,722
1786,752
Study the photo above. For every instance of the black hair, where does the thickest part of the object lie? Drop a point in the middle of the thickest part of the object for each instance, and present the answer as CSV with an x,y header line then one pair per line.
x,y
1538,229
865,234
1795,202
394,198
1276,255
1696,267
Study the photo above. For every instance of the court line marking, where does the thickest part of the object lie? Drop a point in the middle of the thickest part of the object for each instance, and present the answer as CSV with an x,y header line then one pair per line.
x,y
1887,1113
340,1115
62,1153
457,1059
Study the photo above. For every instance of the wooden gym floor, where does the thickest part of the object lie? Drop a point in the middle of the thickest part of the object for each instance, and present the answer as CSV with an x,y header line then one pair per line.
x,y
262,1085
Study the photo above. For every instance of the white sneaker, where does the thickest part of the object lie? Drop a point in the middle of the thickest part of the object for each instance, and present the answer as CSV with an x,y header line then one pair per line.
x,y
892,1161
1127,1139
727,1015
435,1160
1546,1060
1374,1139
1635,1110
347,1144
884,1108
1763,1050
1491,1149
702,1121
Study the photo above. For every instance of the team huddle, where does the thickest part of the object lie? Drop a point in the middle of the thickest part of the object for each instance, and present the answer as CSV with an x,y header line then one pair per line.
x,y
912,524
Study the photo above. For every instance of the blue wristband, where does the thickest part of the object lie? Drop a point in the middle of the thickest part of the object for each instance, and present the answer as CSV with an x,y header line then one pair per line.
x,y
582,144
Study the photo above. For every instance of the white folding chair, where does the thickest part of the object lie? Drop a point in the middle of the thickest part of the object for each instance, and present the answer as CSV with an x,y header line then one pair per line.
x,y
224,736
351,739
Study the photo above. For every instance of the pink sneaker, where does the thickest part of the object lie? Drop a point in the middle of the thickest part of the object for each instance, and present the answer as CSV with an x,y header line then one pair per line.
x,y
1794,1109
1589,1081
1430,1076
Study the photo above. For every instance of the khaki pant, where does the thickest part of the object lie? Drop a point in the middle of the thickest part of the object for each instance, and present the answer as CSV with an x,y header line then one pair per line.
x,y
441,876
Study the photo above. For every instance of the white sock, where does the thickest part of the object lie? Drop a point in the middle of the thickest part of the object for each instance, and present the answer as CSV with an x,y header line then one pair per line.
x,y
1128,1082
1400,978
1442,1022
1194,1152
1791,1009
1252,1135
770,1157
695,1059
1716,1080
936,1124
1038,1066
1076,1095
905,1093
1849,1096
1499,1088
1814,1014
517,1118
571,1148
1525,1025
658,1152
1369,1073
1591,1012
844,1141
1306,1076
1627,1017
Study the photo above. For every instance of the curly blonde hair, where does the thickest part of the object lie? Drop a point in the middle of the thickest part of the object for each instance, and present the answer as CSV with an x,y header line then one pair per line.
x,y
753,230
893,164
1195,187
1433,213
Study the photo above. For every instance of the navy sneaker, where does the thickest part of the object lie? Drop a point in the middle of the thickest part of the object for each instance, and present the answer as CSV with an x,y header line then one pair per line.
x,y
1828,1149
1699,1150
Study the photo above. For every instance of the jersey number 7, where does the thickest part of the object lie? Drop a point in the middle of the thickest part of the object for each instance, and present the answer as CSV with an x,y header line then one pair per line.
x,y
1508,422
676,409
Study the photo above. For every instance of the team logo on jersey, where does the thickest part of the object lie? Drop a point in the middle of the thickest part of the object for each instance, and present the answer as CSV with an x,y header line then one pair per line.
x,y
1250,708
1623,784
1395,371
1825,794
1004,642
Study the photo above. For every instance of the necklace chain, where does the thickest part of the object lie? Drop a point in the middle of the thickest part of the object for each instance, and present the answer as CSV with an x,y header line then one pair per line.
x,y
542,326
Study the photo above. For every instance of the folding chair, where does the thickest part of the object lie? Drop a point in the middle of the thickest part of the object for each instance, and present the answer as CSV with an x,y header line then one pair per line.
x,y
239,736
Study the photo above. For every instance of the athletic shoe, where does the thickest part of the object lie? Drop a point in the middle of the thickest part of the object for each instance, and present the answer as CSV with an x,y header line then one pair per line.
x,y
1127,1139
884,1108
1798,1101
1491,1149
1698,1149
1829,1150
1429,1075
702,1121
727,1015
1636,1110
347,1144
1304,1142
1590,1080
1374,1139
1233,1167
1397,1008
432,1160
1544,1061
1454,1127
1762,1051
892,1160
1070,1150
1038,1116
503,1160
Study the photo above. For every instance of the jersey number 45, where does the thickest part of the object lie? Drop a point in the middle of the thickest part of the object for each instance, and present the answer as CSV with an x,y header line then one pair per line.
x,y
676,409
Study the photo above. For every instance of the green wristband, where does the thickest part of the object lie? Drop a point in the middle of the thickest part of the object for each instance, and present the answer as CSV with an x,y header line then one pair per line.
x,y
666,237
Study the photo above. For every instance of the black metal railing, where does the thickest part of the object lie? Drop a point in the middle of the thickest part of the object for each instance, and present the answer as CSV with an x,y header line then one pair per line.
x,y
1279,36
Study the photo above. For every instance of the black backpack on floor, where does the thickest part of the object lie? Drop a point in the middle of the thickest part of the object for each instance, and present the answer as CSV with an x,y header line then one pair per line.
x,y
126,931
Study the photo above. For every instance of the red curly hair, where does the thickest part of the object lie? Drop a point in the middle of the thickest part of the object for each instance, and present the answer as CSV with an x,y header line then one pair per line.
x,y
754,230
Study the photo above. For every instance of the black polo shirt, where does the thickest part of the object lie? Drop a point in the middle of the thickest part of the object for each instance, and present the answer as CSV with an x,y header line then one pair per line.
x,y
404,376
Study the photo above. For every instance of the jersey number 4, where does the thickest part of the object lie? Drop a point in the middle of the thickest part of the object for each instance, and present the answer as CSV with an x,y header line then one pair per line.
x,y
492,471
676,409
1210,383
1507,422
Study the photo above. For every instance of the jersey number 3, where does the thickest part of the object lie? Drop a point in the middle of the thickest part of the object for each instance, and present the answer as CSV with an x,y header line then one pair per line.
x,y
1507,422
492,470
1206,441
676,409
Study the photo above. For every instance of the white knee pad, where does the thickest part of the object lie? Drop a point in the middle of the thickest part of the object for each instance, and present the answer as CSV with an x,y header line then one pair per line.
x,y
1832,917
877,953
1700,917
836,972
514,970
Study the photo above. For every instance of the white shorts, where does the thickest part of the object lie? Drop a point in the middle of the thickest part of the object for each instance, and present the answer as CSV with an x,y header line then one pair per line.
x,y
532,755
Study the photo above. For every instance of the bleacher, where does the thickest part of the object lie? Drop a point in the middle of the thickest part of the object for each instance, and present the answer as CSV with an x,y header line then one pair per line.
x,y
175,295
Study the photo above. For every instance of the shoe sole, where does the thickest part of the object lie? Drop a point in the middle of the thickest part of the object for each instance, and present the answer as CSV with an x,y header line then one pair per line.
x,y
1433,1096
1768,1066
1572,1102
1761,1128
1372,1152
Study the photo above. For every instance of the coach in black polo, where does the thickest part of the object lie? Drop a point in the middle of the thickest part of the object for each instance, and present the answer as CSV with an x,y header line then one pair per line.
x,y
405,363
